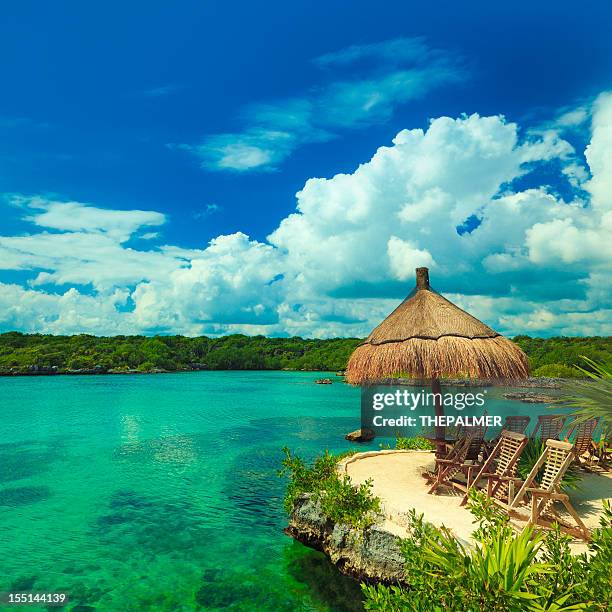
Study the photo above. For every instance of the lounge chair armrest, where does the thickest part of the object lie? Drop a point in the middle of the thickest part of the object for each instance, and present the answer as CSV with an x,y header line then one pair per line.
x,y
549,494
498,477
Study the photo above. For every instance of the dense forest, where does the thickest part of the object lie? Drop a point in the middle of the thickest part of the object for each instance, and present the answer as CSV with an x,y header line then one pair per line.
x,y
45,354
29,353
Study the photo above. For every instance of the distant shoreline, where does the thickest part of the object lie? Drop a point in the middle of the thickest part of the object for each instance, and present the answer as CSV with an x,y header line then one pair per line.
x,y
46,371
48,355
535,382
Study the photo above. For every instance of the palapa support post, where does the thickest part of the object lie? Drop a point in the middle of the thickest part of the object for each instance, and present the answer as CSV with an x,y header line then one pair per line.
x,y
422,278
440,430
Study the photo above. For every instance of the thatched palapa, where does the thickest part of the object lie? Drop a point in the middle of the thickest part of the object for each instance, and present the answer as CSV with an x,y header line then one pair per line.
x,y
428,337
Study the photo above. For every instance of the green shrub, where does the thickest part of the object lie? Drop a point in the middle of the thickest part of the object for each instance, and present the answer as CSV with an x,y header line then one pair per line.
x,y
346,504
592,398
530,455
557,370
304,479
415,443
503,571
340,500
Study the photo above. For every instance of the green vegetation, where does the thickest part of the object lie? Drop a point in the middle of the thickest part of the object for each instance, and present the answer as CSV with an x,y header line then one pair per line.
x,y
556,370
412,443
503,572
37,353
340,501
592,398
21,353
529,457
557,357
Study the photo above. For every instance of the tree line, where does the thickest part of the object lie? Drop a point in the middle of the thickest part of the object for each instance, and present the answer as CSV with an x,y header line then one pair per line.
x,y
41,353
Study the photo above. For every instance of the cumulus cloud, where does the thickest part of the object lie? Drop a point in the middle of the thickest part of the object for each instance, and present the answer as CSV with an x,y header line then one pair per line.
x,y
233,282
523,260
393,73
68,312
88,246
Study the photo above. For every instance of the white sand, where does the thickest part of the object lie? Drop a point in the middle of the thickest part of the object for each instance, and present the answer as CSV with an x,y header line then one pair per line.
x,y
398,482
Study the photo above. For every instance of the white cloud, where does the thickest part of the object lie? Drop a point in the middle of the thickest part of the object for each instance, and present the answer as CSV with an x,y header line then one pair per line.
x,y
599,153
394,51
64,313
573,118
232,282
404,257
562,241
75,216
255,148
403,70
524,260
88,246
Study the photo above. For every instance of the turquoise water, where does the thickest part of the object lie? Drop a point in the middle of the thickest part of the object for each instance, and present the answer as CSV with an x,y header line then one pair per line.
x,y
159,492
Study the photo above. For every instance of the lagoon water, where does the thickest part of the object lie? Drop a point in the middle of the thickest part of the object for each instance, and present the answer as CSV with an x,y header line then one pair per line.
x,y
160,492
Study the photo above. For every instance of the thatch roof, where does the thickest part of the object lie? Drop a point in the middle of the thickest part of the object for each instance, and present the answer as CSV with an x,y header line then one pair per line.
x,y
428,337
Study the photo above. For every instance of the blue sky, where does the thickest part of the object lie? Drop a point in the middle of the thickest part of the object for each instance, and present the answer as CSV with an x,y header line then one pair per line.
x,y
201,121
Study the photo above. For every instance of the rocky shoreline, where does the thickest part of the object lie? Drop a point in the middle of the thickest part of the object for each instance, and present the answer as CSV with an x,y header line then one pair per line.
x,y
528,383
372,555
528,397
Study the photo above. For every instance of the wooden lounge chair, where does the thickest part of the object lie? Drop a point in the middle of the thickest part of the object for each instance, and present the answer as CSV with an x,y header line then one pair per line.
x,y
555,460
518,424
477,435
477,439
549,426
450,466
500,467
585,449
603,451
462,459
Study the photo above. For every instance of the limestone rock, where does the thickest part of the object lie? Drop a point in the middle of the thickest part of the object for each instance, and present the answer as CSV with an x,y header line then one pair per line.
x,y
530,398
360,435
373,554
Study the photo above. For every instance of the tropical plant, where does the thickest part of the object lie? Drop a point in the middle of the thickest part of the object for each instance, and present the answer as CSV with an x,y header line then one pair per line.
x,y
556,370
414,443
304,479
410,443
592,398
347,504
529,457
341,501
502,572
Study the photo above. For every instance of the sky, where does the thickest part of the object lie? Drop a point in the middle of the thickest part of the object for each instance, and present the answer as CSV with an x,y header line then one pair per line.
x,y
282,168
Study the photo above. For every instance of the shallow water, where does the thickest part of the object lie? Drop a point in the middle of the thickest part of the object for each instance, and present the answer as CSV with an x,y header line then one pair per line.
x,y
159,492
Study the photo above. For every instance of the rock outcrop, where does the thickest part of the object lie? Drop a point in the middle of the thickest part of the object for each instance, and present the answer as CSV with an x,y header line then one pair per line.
x,y
360,435
530,398
371,555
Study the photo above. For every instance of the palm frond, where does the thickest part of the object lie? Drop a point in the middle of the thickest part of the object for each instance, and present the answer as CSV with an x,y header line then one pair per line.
x,y
591,398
